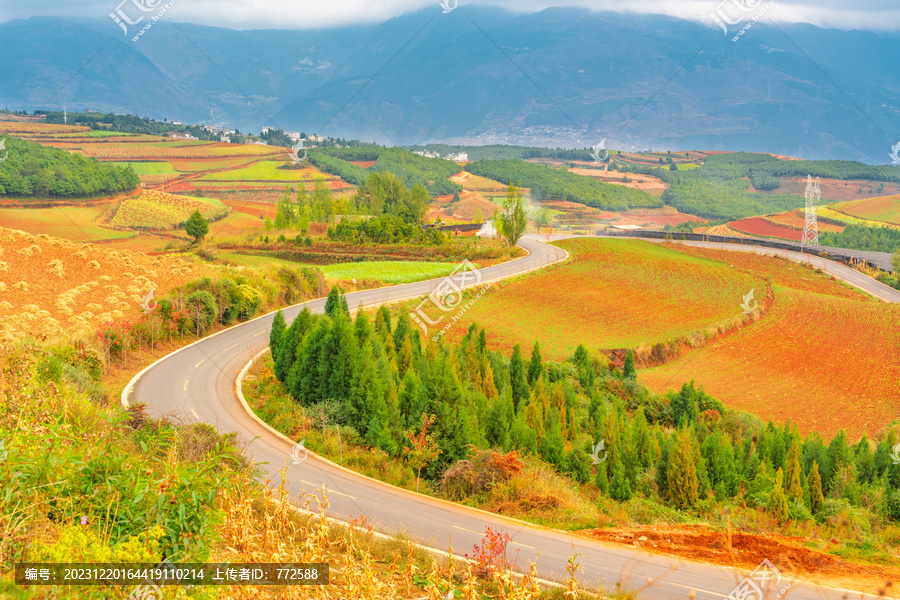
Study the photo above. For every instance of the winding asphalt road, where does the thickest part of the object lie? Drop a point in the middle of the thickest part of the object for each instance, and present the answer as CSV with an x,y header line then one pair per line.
x,y
198,382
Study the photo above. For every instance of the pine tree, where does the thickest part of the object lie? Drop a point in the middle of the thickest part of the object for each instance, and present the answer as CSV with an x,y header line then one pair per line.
x,y
333,303
552,445
628,368
279,325
290,340
383,323
499,421
619,488
777,505
402,331
684,405
517,379
681,471
535,368
814,483
601,480
792,474
838,456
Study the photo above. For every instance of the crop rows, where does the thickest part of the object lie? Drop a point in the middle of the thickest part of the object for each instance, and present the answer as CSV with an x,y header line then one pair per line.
x,y
159,210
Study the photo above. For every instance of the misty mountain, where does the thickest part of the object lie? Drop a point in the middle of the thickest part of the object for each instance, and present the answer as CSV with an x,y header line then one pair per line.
x,y
561,77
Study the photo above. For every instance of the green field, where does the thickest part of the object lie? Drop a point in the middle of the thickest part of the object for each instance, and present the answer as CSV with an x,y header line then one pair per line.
x,y
266,170
152,168
393,272
102,134
386,271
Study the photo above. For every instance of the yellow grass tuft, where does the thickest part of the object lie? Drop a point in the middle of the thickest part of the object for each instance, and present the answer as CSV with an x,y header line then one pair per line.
x,y
22,286
56,267
94,264
30,250
5,304
4,267
105,278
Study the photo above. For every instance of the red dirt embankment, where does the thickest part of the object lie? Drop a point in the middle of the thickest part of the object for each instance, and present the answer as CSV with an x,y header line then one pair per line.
x,y
745,551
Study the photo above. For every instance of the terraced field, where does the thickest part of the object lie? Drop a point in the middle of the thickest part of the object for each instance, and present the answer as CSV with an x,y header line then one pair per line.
x,y
824,356
159,210
612,294
73,223
885,209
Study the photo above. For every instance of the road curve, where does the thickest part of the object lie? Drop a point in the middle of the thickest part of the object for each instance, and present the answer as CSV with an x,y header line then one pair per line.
x,y
198,382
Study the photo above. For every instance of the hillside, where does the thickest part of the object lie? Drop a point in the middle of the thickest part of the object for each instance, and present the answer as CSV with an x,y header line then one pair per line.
x,y
552,184
35,171
732,97
619,294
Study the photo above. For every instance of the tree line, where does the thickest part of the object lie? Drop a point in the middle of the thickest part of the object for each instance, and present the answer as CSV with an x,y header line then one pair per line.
x,y
412,169
590,421
719,189
860,237
37,171
549,183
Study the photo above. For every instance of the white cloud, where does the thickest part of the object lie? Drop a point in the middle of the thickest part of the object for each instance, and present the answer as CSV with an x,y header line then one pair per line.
x,y
308,14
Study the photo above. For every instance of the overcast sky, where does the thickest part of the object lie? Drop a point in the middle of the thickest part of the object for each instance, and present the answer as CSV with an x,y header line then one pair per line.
x,y
305,14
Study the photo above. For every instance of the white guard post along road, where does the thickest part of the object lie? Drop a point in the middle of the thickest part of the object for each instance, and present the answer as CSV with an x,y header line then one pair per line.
x,y
200,382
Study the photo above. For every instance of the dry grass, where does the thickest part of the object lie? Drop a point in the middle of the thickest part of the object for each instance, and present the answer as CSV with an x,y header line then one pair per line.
x,y
269,528
61,279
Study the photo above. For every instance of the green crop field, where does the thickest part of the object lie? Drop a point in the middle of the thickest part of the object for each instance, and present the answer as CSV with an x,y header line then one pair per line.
x,y
392,272
151,168
266,170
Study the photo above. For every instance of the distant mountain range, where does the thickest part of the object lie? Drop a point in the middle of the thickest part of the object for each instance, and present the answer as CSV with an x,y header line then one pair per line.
x,y
558,78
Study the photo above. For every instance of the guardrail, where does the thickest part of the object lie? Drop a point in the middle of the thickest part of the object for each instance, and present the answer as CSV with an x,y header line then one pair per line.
x,y
877,260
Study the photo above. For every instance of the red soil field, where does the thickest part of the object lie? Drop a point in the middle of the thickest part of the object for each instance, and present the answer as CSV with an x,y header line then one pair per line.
x,y
613,294
670,219
759,226
824,356
365,164
793,219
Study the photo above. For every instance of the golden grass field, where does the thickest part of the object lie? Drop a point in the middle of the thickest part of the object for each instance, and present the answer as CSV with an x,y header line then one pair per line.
x,y
55,288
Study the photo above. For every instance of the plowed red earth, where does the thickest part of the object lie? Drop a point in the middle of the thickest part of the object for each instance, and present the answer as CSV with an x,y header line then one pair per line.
x,y
824,356
761,227
745,551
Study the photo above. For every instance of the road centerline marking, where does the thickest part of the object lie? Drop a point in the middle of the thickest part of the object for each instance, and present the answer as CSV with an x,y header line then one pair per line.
x,y
330,491
696,589
185,384
469,530
199,363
